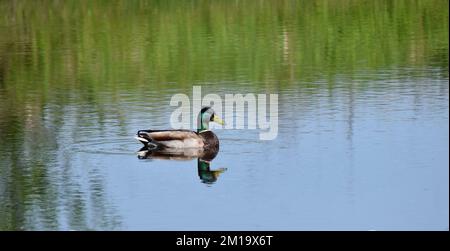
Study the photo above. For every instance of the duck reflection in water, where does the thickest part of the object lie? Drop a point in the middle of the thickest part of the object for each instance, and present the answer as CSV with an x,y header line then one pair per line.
x,y
204,159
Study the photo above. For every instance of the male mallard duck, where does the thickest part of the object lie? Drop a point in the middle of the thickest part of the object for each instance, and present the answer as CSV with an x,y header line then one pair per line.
x,y
178,139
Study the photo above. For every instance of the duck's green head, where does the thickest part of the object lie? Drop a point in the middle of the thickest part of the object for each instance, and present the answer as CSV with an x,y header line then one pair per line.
x,y
205,116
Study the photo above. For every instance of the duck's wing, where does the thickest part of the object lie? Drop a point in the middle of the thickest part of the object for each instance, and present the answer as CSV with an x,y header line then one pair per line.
x,y
170,138
164,135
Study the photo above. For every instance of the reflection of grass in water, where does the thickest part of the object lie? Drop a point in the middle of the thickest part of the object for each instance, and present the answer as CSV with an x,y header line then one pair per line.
x,y
93,52
93,45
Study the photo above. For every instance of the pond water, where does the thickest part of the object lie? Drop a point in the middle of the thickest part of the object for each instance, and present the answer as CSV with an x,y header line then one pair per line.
x,y
363,91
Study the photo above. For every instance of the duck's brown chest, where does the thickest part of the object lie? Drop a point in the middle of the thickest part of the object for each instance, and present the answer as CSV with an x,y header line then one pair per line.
x,y
210,140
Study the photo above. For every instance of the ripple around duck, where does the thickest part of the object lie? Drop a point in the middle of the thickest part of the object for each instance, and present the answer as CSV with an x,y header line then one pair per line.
x,y
120,146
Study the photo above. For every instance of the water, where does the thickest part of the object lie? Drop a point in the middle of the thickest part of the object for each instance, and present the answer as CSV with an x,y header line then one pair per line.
x,y
363,114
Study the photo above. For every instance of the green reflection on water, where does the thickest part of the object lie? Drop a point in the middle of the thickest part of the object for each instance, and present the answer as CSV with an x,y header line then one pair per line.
x,y
94,45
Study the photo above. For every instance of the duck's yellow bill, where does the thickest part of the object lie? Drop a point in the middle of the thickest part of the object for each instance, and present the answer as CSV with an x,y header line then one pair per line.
x,y
218,120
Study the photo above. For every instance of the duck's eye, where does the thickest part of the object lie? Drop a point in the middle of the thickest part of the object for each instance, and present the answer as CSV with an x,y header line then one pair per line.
x,y
212,118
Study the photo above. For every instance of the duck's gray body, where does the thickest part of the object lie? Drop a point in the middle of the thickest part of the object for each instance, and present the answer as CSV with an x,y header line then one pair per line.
x,y
204,140
182,143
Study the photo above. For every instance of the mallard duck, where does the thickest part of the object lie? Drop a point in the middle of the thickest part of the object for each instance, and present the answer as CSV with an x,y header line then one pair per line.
x,y
171,140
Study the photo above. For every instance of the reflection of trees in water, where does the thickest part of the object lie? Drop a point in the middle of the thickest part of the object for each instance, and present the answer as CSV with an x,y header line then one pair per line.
x,y
85,46
39,188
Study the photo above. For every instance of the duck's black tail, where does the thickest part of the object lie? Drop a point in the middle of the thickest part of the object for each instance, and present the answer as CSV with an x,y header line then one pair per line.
x,y
142,136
